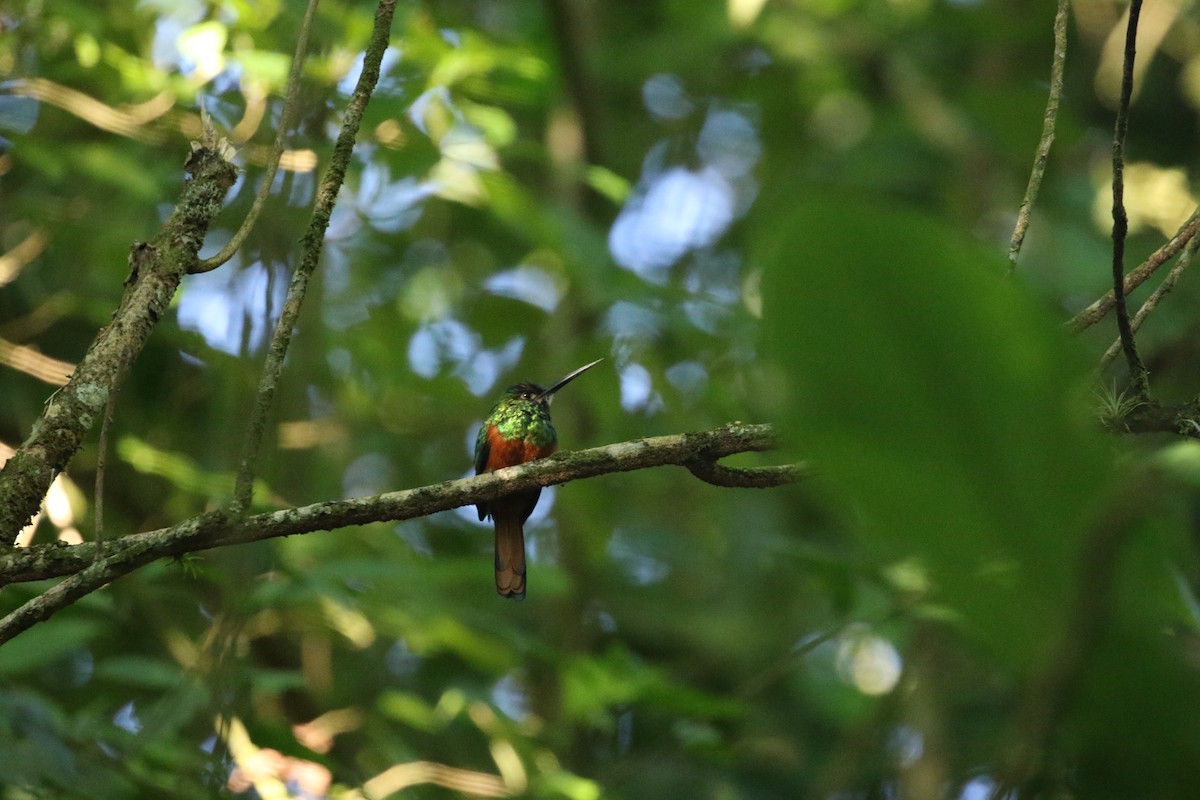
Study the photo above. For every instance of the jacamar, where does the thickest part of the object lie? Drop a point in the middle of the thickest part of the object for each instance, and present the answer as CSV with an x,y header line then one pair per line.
x,y
517,429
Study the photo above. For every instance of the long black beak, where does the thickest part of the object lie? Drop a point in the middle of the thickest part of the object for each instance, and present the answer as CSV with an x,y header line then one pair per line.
x,y
547,394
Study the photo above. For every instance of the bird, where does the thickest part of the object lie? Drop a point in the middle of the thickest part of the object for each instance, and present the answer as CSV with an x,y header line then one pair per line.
x,y
517,429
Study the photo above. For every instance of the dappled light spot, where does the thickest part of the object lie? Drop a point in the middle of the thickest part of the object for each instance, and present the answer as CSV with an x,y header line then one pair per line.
x,y
664,97
466,149
401,660
352,624
164,50
729,143
742,13
1155,197
302,160
28,360
640,567
181,471
443,342
868,662
421,110
456,176
510,696
370,473
413,534
842,119
318,734
430,292
202,50
440,341
388,205
303,434
630,322
714,274
127,719
529,284
18,114
907,744
705,315
689,377
481,373
681,209
678,209
637,390
220,304
390,133
981,788
81,666
269,773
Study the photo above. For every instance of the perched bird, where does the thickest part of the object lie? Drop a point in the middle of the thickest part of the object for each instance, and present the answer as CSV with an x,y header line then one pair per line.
x,y
517,429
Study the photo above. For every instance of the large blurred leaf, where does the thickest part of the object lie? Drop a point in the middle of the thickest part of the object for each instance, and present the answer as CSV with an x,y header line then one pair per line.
x,y
939,405
43,645
32,742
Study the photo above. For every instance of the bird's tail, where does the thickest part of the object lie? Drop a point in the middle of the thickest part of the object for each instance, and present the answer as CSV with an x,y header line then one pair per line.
x,y
510,557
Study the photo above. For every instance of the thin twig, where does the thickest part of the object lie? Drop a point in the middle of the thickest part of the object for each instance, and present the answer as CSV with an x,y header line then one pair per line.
x,y
101,464
290,103
311,245
217,529
1137,370
1057,66
1136,277
1185,260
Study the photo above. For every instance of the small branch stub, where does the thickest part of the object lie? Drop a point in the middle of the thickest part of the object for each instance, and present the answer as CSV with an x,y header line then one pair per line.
x,y
747,477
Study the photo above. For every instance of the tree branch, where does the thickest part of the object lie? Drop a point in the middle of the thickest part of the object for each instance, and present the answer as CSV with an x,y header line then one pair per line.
x,y
747,477
1164,288
217,529
156,269
1152,417
311,246
1137,370
1097,310
1057,66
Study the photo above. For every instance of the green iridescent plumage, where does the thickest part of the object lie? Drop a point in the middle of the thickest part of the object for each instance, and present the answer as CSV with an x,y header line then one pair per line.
x,y
518,414
517,429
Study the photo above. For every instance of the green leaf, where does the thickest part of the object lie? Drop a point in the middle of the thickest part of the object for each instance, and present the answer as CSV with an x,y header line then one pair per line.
x,y
412,710
939,406
42,645
133,670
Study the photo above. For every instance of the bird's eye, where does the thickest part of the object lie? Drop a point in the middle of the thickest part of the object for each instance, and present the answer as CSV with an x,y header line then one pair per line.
x,y
526,395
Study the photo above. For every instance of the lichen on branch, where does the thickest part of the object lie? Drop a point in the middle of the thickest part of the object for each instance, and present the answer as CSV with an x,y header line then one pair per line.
x,y
156,268
219,529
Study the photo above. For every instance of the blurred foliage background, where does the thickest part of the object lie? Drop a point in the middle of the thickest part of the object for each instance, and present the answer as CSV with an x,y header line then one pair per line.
x,y
792,211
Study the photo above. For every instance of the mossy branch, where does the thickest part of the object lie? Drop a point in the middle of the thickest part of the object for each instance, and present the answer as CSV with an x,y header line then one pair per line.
x,y
156,269
311,245
218,529
1049,120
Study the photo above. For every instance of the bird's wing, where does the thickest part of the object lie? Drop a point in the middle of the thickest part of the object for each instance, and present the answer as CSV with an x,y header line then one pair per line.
x,y
482,450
